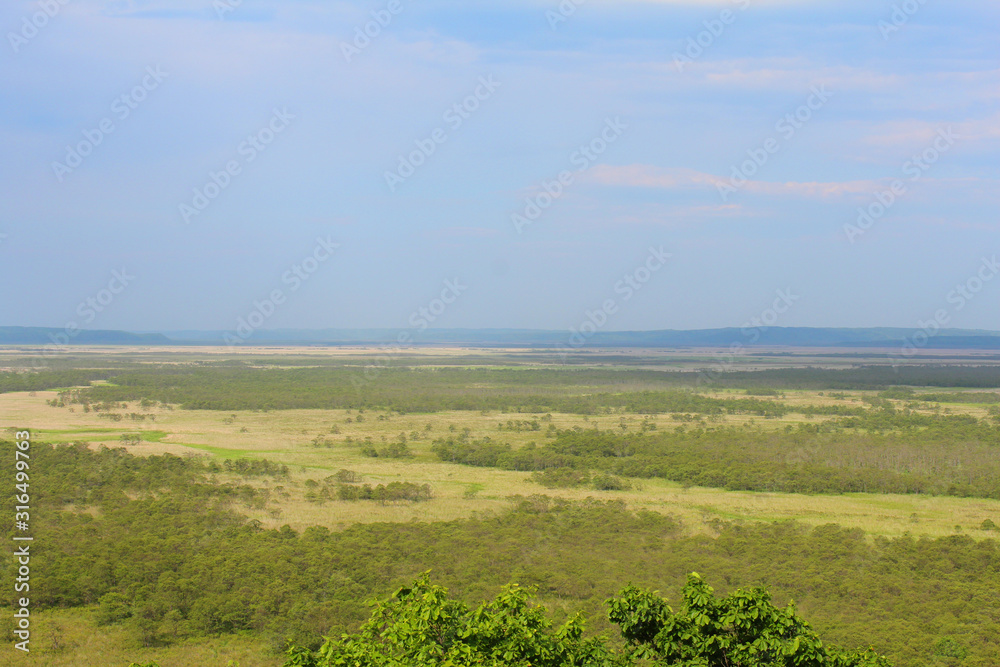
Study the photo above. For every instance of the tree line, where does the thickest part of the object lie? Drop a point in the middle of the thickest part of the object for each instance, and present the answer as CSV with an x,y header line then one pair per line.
x,y
883,452
235,386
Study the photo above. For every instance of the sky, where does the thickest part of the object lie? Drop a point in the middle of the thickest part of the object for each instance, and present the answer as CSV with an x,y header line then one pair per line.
x,y
656,164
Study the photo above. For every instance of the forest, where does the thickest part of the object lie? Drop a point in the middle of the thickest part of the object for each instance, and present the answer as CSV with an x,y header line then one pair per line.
x,y
207,570
940,455
429,388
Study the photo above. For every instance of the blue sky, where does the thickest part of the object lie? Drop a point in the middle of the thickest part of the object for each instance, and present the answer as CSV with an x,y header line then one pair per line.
x,y
746,158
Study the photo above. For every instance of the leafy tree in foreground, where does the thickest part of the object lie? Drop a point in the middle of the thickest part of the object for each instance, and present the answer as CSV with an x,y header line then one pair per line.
x,y
420,627
742,630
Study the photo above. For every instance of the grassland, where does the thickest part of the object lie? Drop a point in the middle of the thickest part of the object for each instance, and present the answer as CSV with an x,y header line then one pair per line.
x,y
66,638
317,443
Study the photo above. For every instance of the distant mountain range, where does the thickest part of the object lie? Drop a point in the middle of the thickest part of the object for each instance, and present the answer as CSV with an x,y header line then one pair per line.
x,y
887,337
44,335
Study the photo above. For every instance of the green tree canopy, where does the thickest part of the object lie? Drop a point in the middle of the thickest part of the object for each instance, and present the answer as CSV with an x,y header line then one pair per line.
x,y
419,626
743,629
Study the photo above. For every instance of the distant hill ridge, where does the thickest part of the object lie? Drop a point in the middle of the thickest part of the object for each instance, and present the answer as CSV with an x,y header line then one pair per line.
x,y
53,336
887,337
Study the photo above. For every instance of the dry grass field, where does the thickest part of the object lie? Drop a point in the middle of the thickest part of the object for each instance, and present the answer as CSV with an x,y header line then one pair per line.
x,y
314,444
68,638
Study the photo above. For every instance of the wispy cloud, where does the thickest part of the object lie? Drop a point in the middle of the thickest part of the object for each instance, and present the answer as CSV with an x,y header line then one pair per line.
x,y
911,133
650,176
